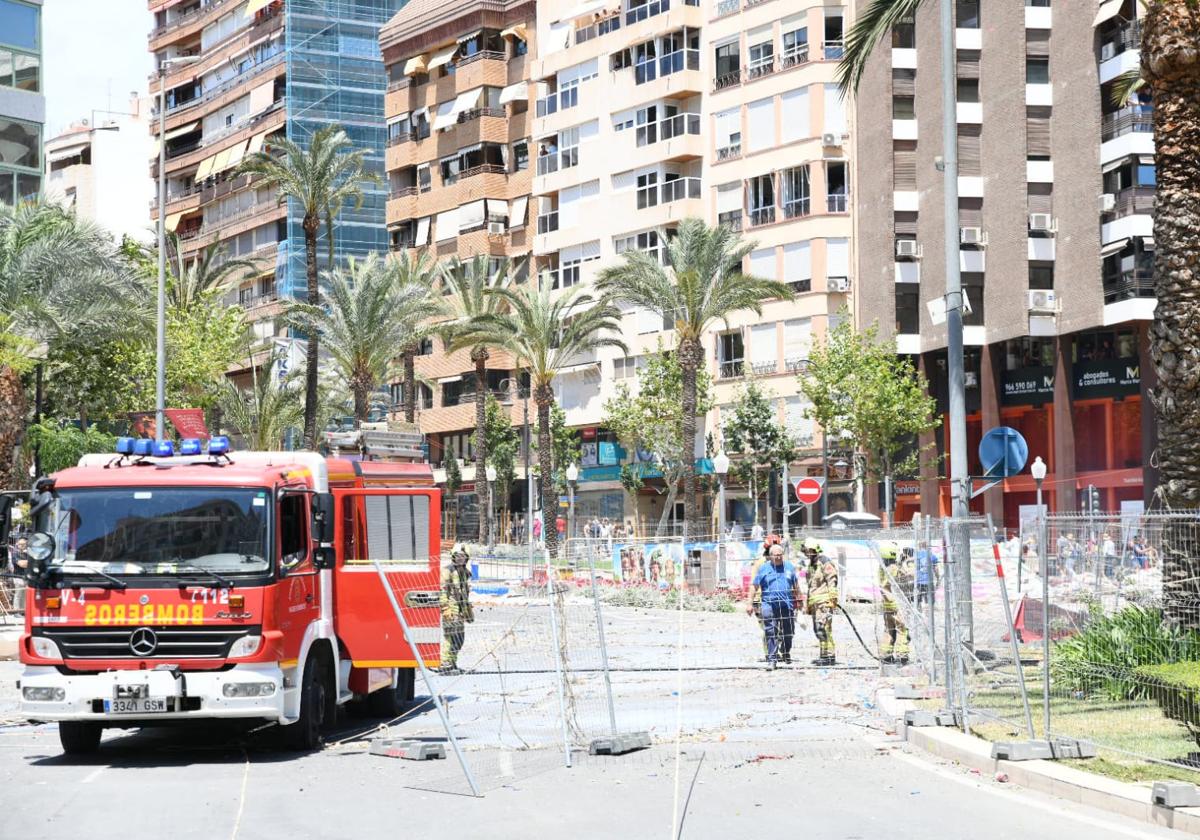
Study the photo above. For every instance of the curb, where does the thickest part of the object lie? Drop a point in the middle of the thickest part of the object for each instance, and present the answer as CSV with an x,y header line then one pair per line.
x,y
1061,780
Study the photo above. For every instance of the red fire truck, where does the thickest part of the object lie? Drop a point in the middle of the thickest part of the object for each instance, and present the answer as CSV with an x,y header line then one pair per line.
x,y
207,584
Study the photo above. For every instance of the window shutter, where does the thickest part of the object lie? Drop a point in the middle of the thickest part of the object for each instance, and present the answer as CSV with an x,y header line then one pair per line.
x,y
905,223
797,262
969,151
763,348
761,119
968,64
1037,42
904,82
797,338
1037,131
762,263
794,105
837,258
1041,198
729,197
904,164
970,213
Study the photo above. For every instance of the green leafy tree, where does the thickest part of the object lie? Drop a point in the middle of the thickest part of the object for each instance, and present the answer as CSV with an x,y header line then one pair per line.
x,y
701,284
653,419
320,178
453,483
475,297
757,443
58,274
503,443
547,331
61,445
876,401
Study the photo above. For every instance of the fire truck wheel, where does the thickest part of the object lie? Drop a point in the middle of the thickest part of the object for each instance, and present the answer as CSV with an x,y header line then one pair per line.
x,y
79,737
305,733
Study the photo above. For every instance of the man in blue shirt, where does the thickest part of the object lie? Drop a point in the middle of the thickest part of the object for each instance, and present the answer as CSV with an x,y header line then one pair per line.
x,y
927,575
778,587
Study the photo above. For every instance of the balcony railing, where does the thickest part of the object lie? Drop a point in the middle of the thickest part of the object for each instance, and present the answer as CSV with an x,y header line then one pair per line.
x,y
598,28
796,207
268,63
667,128
547,222
398,84
482,55
672,62
1132,201
1127,121
761,68
731,369
680,189
256,301
795,56
1121,39
731,219
730,152
554,161
834,50
800,286
728,7
837,202
401,138
482,169
795,364
1135,283
403,192
649,10
184,19
476,113
727,80
762,215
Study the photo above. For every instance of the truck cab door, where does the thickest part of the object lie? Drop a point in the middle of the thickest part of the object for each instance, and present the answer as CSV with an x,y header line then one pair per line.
x,y
399,529
297,596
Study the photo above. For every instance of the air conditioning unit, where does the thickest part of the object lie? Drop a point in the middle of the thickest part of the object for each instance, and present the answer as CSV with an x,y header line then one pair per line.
x,y
829,138
908,248
839,284
972,236
1043,222
1043,301
1107,202
496,228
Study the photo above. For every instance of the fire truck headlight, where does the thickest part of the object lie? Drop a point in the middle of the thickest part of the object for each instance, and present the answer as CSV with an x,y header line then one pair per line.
x,y
248,689
43,694
245,646
45,648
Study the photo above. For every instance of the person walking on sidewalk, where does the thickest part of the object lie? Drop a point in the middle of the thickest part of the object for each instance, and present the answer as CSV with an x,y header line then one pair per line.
x,y
777,586
457,612
822,599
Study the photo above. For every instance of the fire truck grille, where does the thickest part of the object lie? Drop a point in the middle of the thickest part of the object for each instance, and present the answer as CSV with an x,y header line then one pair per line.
x,y
137,643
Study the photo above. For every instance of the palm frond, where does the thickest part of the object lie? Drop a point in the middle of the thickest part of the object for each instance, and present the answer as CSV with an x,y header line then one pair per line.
x,y
1126,86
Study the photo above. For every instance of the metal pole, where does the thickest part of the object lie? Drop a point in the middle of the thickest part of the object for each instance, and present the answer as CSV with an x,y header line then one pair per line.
x,y
160,373
824,476
528,483
1012,631
960,493
437,698
948,621
1045,615
932,584
721,528
558,663
570,535
612,709
491,514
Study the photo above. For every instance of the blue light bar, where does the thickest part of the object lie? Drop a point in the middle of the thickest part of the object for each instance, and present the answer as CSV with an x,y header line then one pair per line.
x,y
164,449
218,445
125,446
189,446
143,446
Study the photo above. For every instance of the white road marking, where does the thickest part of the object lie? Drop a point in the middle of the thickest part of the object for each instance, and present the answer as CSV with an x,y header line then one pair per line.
x,y
91,777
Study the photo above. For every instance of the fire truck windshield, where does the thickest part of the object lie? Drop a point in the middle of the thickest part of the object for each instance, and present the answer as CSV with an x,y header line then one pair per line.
x,y
159,531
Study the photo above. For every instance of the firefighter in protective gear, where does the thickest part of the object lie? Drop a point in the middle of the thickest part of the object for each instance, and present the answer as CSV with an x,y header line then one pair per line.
x,y
456,607
822,599
895,575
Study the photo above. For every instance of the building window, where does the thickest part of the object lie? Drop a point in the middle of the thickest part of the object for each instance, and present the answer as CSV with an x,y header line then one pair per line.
x,y
1041,275
968,90
908,309
761,189
836,186
647,241
21,144
795,46
904,35
645,63
520,154
761,58
904,108
20,70
19,25
727,65
794,186
647,190
834,27
1037,71
424,181
966,14
731,355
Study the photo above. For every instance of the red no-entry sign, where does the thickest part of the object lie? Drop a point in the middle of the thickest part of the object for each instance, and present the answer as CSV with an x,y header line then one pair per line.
x,y
808,490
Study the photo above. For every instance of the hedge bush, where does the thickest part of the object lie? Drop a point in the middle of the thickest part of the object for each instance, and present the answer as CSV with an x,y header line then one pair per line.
x,y
1176,688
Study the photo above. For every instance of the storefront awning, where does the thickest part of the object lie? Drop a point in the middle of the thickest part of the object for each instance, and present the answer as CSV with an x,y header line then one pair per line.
x,y
443,57
415,65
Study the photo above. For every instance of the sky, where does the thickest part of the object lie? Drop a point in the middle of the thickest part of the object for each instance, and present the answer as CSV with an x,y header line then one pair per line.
x,y
95,54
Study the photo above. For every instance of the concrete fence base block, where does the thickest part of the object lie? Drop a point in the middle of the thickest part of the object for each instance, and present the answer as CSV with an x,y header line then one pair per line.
x,y
1175,795
1021,750
1072,748
902,692
412,750
920,717
620,744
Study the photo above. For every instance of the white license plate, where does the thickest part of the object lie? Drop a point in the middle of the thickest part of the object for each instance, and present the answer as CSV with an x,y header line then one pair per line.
x,y
135,707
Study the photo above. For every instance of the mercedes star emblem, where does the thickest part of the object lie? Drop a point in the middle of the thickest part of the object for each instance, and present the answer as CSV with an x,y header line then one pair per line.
x,y
143,642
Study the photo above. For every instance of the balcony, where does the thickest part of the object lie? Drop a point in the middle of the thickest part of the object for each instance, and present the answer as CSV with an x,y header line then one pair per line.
x,y
271,62
668,128
728,7
731,369
477,113
762,216
730,152
667,65
482,169
1121,39
401,138
679,189
1134,283
185,19
402,192
1131,201
1138,119
794,57
796,208
834,50
597,28
727,80
760,69
398,84
731,219
651,9
837,202
482,55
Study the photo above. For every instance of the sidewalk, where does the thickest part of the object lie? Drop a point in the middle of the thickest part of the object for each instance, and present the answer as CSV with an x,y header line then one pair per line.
x,y
1050,777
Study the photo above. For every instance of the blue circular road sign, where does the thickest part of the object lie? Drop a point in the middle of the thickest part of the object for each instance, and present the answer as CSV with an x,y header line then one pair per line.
x,y
1003,452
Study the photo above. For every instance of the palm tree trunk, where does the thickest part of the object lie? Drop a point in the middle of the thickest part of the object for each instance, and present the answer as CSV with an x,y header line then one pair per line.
x,y
12,422
360,404
408,357
690,356
311,225
543,396
1171,68
479,355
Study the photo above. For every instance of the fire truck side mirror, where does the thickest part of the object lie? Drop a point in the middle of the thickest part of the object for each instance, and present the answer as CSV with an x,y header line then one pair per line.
x,y
322,517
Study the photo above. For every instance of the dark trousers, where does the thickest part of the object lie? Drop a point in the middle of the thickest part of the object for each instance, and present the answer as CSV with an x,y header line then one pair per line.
x,y
779,622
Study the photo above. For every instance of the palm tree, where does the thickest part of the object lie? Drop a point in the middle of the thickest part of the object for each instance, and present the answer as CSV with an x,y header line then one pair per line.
x,y
263,415
321,180
1169,47
417,271
548,331
211,271
701,283
58,275
475,290
363,315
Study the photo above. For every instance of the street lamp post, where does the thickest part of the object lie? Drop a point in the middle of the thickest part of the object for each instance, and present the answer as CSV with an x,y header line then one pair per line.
x,y
572,477
160,370
490,472
1038,471
721,467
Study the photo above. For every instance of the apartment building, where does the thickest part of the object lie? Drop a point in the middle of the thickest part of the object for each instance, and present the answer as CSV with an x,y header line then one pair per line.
x,y
777,161
1056,189
22,103
237,74
99,170
459,110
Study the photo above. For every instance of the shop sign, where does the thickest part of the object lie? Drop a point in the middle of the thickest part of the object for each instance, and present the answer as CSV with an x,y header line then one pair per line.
x,y
1027,386
588,454
1106,378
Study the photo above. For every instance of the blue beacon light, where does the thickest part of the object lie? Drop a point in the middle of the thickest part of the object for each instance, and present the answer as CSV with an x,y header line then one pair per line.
x,y
125,446
189,446
164,449
218,445
143,447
